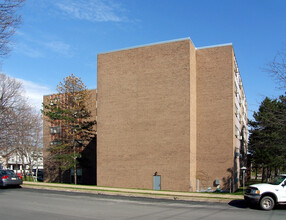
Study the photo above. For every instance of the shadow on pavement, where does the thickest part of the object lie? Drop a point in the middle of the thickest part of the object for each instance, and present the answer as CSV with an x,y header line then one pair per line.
x,y
244,205
10,187
280,207
239,204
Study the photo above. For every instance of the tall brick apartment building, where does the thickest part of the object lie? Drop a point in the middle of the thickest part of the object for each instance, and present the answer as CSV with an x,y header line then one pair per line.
x,y
170,116
170,110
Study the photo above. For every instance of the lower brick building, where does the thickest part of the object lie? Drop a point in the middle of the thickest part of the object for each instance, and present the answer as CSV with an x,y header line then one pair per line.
x,y
54,133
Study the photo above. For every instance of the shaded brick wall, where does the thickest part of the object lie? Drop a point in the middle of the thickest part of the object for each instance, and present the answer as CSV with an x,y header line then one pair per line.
x,y
215,114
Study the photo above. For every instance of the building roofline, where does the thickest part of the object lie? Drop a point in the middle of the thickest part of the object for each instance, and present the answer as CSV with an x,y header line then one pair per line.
x,y
59,93
146,45
216,45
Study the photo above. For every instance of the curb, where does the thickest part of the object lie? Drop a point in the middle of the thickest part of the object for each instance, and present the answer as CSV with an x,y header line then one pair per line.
x,y
180,196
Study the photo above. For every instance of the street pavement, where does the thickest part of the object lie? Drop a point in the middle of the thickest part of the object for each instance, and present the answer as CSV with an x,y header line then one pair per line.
x,y
27,203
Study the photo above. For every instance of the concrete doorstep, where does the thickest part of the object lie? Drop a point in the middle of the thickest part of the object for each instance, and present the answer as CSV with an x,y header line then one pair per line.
x,y
184,196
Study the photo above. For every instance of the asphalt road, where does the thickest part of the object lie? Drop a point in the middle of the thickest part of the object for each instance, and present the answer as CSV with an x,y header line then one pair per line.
x,y
30,204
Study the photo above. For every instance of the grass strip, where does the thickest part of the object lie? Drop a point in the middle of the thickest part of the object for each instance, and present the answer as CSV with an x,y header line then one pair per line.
x,y
141,193
239,192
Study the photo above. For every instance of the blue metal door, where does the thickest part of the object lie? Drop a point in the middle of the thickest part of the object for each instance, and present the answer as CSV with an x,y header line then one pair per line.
x,y
157,182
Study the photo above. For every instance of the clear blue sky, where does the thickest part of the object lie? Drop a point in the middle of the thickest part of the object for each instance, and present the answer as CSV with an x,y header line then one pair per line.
x,y
60,37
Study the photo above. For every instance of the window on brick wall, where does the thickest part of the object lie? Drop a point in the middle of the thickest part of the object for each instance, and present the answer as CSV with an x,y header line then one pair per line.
x,y
235,89
236,131
236,111
55,130
55,142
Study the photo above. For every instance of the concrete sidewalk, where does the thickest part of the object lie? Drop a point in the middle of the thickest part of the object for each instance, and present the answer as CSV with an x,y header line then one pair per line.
x,y
186,196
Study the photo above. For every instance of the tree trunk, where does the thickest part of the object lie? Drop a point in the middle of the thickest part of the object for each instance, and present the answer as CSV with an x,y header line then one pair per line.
x,y
60,175
276,171
74,158
7,160
263,174
269,173
24,168
75,173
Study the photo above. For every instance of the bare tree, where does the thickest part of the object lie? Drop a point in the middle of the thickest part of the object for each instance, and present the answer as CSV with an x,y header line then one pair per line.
x,y
10,92
277,68
28,137
9,21
36,144
11,104
11,135
20,125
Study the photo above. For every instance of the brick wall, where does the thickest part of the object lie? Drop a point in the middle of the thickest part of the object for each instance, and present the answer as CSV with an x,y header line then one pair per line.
x,y
144,116
215,114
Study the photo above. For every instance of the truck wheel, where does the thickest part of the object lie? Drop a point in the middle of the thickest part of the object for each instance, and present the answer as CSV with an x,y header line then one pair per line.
x,y
266,203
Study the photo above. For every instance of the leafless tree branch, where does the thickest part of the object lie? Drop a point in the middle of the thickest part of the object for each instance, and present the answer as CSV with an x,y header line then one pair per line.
x,y
277,68
9,21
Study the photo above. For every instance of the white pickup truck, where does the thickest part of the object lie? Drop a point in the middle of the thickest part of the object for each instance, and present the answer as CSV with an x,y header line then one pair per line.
x,y
267,195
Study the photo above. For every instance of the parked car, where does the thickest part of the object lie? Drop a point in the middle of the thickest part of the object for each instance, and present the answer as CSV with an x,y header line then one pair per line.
x,y
267,195
9,178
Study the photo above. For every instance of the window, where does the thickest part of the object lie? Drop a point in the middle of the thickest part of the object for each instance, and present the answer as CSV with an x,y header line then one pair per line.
x,y
236,131
236,111
55,130
57,100
235,90
240,119
240,83
235,67
56,142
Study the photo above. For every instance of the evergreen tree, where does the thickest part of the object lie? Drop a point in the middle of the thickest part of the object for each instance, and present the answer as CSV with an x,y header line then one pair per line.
x,y
267,144
68,111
